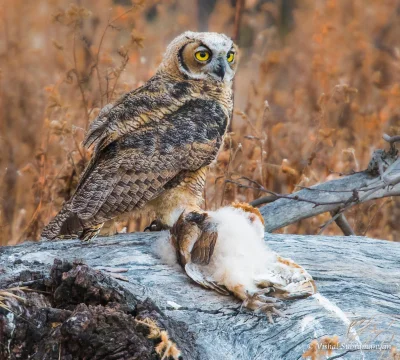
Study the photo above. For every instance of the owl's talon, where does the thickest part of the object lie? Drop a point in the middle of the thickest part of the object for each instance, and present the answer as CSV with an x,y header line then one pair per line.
x,y
269,310
270,319
90,233
260,303
265,291
151,227
279,313
270,300
156,225
261,295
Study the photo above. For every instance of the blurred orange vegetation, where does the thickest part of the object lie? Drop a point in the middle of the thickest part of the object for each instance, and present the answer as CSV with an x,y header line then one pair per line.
x,y
313,96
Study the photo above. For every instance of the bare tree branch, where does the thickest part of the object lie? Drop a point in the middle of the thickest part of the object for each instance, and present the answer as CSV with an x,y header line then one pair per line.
x,y
381,179
344,225
263,200
391,139
354,197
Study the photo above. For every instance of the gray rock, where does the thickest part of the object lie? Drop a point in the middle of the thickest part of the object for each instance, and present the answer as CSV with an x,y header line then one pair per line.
x,y
358,279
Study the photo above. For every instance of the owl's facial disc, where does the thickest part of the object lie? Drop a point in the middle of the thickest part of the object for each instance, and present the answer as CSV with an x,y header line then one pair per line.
x,y
211,61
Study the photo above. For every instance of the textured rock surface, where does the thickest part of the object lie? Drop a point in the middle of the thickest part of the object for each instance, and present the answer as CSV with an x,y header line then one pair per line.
x,y
359,277
76,312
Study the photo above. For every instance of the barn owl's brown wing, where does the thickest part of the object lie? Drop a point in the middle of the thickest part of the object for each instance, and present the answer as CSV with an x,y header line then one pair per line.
x,y
204,247
187,230
195,230
133,169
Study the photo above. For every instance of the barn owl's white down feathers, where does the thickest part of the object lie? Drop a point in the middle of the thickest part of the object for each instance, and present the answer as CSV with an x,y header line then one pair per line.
x,y
242,263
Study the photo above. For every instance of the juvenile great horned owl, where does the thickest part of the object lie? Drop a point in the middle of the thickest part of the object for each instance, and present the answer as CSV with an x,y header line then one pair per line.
x,y
152,147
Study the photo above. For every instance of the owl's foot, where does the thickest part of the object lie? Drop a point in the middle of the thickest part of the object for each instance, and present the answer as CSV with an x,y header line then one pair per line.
x,y
259,302
90,233
156,225
66,237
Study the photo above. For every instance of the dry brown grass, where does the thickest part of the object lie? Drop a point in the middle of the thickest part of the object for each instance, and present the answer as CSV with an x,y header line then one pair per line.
x,y
7,294
311,98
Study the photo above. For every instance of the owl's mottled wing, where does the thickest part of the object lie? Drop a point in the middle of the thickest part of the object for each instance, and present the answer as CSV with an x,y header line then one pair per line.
x,y
137,109
132,169
119,181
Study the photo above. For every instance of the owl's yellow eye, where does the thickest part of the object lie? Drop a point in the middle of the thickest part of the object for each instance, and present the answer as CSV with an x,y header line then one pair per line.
x,y
202,55
230,57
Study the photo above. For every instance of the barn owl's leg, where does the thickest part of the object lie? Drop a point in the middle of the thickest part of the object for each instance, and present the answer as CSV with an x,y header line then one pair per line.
x,y
259,301
296,282
300,284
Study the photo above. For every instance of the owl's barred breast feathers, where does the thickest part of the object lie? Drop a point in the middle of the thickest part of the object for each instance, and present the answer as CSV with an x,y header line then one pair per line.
x,y
154,141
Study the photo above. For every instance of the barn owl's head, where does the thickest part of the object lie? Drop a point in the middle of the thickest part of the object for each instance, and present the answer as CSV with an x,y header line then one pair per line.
x,y
253,215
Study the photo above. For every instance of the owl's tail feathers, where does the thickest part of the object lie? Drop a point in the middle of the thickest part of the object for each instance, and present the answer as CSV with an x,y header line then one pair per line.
x,y
65,225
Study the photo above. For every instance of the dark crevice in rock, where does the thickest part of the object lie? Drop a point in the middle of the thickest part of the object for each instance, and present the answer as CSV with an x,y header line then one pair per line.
x,y
76,312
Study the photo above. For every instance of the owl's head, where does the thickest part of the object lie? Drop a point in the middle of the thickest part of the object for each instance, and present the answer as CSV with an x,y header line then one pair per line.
x,y
202,56
253,215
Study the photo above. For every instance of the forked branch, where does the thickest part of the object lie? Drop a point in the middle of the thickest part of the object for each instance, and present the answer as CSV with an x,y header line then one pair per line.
x,y
381,179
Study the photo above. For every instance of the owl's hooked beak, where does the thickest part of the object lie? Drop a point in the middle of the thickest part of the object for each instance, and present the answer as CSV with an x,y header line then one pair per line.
x,y
219,69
